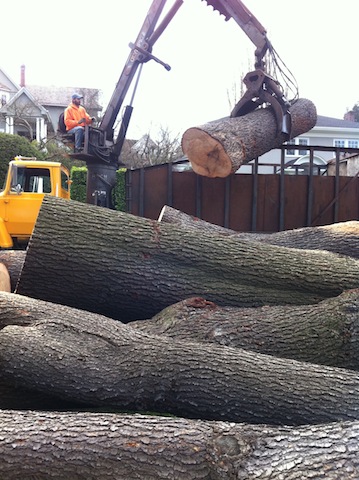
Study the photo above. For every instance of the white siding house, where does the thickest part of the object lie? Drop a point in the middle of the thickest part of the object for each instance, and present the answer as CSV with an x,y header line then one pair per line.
x,y
32,111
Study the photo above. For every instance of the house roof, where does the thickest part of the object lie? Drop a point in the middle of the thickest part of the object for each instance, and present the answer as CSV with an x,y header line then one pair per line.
x,y
335,122
23,92
61,96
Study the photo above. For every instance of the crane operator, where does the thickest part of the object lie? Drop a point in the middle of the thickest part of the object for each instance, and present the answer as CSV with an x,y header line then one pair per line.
x,y
75,119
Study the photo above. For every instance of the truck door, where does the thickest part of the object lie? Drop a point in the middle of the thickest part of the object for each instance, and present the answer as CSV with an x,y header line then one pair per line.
x,y
25,198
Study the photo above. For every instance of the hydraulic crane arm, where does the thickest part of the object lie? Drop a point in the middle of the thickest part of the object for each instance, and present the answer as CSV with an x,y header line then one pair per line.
x,y
140,53
101,151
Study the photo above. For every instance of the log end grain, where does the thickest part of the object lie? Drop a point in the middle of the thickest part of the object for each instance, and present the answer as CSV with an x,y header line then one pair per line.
x,y
207,155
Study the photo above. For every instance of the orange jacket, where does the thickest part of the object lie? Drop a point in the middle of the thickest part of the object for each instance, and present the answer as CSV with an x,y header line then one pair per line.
x,y
73,114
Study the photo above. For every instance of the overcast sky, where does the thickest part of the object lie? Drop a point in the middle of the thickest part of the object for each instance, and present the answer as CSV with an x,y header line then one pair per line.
x,y
85,44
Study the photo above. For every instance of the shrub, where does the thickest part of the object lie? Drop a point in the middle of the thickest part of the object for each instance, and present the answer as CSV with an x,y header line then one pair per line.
x,y
12,146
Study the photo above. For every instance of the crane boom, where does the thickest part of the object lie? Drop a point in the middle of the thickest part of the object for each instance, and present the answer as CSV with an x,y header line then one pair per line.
x,y
102,151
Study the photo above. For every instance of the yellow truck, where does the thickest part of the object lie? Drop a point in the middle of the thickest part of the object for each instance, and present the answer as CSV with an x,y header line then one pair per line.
x,y
27,181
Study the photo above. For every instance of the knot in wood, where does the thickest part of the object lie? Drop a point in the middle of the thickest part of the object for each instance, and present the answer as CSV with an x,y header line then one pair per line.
x,y
231,446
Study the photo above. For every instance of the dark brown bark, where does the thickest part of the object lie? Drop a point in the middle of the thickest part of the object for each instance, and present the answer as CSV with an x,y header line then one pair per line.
x,y
326,333
130,268
341,238
90,446
219,148
13,260
90,359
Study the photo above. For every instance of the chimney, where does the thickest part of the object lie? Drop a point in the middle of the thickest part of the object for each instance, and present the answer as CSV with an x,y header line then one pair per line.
x,y
22,76
349,116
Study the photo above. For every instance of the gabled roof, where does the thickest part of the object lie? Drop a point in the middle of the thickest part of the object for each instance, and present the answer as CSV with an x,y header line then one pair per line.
x,y
13,86
24,92
335,122
61,96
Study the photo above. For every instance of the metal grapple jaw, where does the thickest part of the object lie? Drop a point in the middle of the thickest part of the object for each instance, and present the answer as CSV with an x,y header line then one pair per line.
x,y
263,89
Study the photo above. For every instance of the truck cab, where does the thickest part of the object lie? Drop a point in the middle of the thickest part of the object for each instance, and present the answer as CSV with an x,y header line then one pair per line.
x,y
27,182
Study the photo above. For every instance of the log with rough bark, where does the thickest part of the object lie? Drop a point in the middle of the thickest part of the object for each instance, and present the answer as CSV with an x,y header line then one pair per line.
x,y
13,261
130,268
341,237
91,446
219,148
326,333
90,359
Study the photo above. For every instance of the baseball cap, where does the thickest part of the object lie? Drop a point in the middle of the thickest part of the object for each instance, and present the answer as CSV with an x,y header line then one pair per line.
x,y
77,95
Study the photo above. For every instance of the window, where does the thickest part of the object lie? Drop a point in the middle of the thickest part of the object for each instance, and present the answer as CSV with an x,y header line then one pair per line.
x,y
302,141
64,181
297,141
291,151
345,143
3,100
34,180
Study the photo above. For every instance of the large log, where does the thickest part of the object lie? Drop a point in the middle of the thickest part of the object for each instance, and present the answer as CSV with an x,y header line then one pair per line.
x,y
87,358
130,268
13,261
91,446
326,333
219,148
341,238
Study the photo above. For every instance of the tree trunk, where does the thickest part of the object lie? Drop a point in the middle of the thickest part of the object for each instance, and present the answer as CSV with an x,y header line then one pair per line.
x,y
326,333
13,261
91,446
90,359
341,238
219,148
130,268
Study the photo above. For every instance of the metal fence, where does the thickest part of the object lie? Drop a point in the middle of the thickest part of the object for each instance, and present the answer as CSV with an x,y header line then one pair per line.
x,y
253,202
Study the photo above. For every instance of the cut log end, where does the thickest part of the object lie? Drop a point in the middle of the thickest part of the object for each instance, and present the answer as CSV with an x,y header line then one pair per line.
x,y
5,281
207,155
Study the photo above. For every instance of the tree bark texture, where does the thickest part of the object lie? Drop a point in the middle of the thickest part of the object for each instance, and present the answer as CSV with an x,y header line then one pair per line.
x,y
326,333
130,268
341,238
219,148
82,445
90,359
13,261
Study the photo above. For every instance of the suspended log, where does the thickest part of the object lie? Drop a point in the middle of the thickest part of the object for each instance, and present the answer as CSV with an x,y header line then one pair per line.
x,y
104,446
326,333
219,148
13,261
341,238
130,268
90,359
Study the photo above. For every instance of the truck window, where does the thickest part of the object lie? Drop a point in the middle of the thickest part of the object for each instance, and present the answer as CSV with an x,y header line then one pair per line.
x,y
35,180
64,181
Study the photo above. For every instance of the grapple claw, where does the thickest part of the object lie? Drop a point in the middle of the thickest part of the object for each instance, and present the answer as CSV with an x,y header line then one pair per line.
x,y
218,5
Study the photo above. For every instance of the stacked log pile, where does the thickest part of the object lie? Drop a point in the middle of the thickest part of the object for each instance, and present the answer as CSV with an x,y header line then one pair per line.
x,y
134,348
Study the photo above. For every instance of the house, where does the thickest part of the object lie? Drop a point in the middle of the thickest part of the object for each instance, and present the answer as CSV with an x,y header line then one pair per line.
x,y
327,132
32,111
